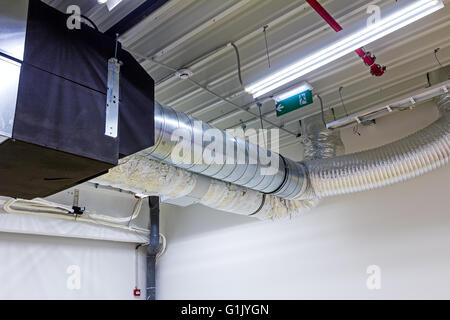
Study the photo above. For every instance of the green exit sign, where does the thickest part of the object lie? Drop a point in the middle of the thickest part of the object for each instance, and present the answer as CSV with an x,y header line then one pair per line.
x,y
293,103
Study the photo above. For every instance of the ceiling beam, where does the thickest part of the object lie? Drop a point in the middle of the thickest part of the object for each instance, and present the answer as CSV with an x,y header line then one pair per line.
x,y
134,17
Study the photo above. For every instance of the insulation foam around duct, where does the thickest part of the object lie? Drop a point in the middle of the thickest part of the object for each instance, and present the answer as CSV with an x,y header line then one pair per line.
x,y
141,175
231,198
276,208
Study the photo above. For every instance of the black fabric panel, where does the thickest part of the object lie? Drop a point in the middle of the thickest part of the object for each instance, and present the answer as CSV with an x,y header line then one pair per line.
x,y
137,106
78,55
59,114
81,56
29,171
58,135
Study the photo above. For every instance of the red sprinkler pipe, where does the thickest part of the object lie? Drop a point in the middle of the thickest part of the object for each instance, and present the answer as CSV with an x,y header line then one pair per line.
x,y
367,57
325,15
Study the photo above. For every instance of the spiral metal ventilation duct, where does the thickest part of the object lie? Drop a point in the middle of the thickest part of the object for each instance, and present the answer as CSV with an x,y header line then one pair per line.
x,y
243,189
286,183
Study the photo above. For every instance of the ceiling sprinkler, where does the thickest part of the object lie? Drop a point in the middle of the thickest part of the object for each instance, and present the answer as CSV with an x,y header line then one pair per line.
x,y
369,59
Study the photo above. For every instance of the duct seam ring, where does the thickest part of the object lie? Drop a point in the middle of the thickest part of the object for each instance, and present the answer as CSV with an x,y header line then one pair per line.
x,y
260,207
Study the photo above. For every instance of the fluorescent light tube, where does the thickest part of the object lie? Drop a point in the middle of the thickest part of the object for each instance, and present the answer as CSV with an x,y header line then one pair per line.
x,y
304,86
390,24
111,4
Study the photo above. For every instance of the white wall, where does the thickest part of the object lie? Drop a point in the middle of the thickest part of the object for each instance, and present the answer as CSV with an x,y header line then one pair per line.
x,y
36,253
404,229
43,267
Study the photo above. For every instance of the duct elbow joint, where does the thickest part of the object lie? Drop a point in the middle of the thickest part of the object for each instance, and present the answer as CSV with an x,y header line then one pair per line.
x,y
295,182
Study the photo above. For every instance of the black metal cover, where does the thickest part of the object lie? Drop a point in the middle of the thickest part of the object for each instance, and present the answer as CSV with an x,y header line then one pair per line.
x,y
59,125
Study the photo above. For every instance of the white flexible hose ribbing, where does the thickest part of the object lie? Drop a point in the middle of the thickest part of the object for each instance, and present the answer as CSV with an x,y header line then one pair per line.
x,y
421,152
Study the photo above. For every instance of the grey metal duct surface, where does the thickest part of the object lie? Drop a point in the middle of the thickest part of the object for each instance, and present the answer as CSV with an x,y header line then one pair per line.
x,y
286,183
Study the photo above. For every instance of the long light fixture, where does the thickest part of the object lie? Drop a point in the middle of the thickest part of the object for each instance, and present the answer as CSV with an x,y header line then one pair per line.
x,y
111,4
389,24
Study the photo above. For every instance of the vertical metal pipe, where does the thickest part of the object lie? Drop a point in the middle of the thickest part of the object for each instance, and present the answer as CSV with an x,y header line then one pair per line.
x,y
153,247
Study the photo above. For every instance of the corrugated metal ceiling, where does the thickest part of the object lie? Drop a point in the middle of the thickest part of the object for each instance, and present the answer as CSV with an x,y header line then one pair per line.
x,y
182,31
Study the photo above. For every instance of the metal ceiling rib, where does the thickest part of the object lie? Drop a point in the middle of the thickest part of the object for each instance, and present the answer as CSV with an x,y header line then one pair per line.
x,y
134,17
99,13
181,31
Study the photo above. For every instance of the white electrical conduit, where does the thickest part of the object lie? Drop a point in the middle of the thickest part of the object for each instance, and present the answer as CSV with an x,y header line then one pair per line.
x,y
134,215
40,207
44,208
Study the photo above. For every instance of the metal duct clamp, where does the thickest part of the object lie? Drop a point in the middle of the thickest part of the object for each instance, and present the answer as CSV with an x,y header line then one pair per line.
x,y
295,182
112,99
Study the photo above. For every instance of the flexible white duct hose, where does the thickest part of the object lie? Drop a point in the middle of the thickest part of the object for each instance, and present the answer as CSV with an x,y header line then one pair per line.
x,y
412,156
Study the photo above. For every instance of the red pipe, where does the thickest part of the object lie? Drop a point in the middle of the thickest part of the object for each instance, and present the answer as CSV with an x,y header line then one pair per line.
x,y
369,60
325,15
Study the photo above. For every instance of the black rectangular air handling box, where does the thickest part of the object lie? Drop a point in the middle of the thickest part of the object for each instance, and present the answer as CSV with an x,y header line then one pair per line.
x,y
58,135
